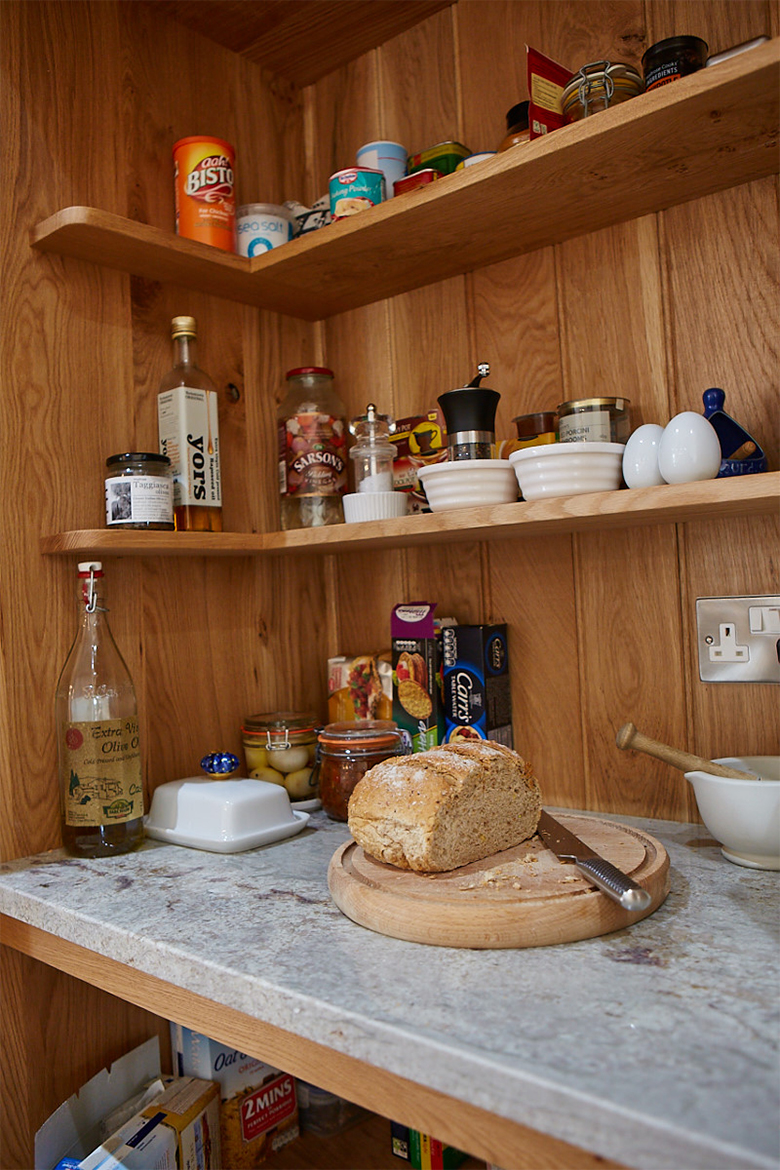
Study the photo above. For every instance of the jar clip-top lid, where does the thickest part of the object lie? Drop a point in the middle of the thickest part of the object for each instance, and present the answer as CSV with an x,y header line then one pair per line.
x,y
470,415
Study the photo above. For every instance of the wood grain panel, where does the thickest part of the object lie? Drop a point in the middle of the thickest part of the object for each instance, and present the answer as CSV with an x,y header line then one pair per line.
x,y
627,585
69,1018
301,41
721,25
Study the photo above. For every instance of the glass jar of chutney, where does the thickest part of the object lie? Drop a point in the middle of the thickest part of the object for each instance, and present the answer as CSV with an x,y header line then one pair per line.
x,y
346,751
280,746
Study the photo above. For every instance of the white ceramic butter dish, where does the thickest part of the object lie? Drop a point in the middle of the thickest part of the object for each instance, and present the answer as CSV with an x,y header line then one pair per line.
x,y
223,816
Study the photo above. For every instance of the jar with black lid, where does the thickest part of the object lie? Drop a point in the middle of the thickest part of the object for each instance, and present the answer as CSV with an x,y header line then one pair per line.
x,y
346,751
139,491
673,58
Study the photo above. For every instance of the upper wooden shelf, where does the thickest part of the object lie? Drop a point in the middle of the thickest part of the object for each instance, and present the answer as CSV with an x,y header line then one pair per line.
x,y
708,132
749,495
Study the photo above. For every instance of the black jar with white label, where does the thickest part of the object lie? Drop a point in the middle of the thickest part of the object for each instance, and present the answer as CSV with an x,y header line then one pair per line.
x,y
139,491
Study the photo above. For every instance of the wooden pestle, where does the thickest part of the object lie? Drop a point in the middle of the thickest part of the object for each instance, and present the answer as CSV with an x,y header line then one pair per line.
x,y
629,737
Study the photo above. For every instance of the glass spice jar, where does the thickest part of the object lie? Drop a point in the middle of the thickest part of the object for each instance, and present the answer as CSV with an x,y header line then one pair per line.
x,y
280,746
345,753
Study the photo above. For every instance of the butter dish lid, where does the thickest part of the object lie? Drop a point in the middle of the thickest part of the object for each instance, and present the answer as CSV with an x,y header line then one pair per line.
x,y
222,816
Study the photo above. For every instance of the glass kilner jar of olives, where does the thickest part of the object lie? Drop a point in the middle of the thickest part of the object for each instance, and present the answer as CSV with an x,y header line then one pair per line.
x,y
280,746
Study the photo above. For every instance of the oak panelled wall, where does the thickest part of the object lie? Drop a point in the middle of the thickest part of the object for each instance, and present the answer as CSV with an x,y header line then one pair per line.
x,y
602,626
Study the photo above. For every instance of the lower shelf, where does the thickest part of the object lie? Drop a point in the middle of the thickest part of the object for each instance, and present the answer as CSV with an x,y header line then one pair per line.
x,y
715,499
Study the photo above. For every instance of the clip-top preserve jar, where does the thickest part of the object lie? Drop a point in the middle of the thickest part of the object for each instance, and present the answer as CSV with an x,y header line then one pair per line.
x,y
312,450
345,753
280,746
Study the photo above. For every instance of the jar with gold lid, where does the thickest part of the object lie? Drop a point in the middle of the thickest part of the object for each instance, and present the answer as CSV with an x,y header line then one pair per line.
x,y
594,420
280,746
346,751
598,86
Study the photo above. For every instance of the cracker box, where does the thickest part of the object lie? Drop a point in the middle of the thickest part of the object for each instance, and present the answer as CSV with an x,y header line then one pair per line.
x,y
178,1130
477,686
428,1153
417,694
360,688
259,1105
418,441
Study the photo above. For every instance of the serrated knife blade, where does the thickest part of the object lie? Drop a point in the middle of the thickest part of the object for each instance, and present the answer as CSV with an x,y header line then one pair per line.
x,y
628,893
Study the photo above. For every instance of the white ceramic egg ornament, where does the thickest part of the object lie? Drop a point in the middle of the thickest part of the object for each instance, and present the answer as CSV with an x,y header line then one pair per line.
x,y
640,458
689,449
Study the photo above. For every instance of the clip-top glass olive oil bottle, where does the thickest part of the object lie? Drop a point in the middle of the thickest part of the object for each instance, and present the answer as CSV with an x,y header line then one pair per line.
x,y
98,747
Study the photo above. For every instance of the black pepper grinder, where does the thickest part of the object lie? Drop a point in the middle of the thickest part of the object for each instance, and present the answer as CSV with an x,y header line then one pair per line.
x,y
470,415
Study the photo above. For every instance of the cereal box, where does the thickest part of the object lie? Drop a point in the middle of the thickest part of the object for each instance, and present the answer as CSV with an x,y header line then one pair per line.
x,y
477,688
417,694
179,1130
259,1105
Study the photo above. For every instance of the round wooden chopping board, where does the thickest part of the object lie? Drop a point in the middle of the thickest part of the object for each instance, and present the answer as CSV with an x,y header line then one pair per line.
x,y
521,897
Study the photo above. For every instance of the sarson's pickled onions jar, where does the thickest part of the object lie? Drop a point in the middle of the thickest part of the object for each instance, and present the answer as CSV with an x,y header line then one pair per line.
x,y
312,450
280,746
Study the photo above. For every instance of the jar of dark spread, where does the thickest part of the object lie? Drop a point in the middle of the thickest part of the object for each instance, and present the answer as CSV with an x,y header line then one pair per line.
x,y
345,753
672,59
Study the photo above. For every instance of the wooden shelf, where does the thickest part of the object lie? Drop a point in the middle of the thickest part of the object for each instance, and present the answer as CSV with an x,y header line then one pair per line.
x,y
715,499
706,133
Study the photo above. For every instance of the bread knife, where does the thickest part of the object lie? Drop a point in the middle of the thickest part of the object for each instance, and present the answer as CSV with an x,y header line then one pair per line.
x,y
597,869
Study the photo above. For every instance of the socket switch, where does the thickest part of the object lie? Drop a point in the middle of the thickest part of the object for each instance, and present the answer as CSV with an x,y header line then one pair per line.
x,y
739,639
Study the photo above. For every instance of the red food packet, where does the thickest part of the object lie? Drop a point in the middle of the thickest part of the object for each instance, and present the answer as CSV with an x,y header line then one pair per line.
x,y
546,82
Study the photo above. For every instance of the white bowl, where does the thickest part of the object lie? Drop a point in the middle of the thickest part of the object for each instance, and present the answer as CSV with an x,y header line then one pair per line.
x,y
222,816
467,483
567,469
360,506
744,815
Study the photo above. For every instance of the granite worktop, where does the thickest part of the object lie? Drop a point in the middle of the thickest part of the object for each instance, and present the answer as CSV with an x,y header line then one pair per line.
x,y
655,1046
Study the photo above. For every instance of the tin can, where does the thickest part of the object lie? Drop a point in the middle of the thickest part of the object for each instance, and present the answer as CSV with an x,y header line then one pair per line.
x,y
443,157
261,227
418,179
204,191
387,157
594,420
355,189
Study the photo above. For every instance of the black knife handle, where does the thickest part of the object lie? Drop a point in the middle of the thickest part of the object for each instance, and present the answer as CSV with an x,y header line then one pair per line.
x,y
614,882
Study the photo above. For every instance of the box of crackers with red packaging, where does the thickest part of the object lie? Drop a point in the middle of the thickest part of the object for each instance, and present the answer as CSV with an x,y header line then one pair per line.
x,y
418,707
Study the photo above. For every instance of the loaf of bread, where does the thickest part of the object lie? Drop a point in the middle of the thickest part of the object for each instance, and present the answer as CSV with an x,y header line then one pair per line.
x,y
440,809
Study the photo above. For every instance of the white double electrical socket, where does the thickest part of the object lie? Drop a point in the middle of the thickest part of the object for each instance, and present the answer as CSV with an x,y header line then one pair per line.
x,y
739,639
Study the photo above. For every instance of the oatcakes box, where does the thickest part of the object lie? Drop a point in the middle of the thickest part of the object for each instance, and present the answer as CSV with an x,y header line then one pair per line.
x,y
417,694
477,687
259,1111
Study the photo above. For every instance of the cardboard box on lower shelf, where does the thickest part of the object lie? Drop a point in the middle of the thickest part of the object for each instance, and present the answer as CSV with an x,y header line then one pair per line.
x,y
259,1103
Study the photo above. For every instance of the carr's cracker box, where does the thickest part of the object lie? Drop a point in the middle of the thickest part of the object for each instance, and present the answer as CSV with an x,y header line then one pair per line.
x,y
178,1130
259,1105
418,440
427,1153
417,694
477,688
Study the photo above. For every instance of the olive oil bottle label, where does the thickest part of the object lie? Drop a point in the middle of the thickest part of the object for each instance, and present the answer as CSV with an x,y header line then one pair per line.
x,y
102,764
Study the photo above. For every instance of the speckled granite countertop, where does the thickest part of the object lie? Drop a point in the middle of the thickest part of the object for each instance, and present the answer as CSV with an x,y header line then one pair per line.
x,y
656,1046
